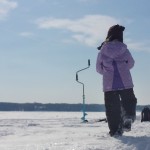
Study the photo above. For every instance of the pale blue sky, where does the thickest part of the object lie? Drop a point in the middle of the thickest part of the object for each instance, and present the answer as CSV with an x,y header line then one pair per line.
x,y
44,42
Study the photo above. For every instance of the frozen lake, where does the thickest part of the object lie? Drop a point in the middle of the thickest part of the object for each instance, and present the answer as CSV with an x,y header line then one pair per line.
x,y
65,131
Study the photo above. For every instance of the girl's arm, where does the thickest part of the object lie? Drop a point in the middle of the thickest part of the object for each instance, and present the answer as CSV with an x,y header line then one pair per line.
x,y
99,64
129,60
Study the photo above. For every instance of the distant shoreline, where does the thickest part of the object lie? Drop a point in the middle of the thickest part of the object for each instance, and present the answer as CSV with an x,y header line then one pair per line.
x,y
8,106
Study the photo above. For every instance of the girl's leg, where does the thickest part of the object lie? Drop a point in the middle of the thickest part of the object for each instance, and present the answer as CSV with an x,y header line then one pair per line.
x,y
128,102
113,111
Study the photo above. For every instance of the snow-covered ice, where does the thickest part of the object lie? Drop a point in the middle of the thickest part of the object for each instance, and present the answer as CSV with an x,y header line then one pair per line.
x,y
65,131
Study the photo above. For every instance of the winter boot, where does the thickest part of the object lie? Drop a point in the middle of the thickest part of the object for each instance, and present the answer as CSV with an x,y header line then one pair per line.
x,y
127,125
118,133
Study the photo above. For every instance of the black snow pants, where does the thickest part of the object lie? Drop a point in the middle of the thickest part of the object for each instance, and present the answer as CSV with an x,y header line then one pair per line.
x,y
119,105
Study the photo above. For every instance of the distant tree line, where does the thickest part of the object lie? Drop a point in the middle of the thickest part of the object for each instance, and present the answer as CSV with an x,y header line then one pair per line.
x,y
54,107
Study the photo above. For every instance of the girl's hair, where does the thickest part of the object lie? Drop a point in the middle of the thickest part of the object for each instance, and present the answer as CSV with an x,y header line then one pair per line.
x,y
114,33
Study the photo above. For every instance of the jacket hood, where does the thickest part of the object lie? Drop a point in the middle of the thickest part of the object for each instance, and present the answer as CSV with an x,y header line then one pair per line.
x,y
113,49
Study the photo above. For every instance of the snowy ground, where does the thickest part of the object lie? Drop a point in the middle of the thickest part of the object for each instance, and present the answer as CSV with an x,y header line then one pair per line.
x,y
65,131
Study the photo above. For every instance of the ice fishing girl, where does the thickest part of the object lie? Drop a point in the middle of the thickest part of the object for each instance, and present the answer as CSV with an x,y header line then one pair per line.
x,y
114,62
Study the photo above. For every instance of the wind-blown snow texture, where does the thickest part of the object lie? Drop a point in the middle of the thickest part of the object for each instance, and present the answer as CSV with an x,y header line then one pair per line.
x,y
65,131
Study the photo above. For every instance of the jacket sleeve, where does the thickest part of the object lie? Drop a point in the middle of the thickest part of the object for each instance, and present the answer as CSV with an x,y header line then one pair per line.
x,y
129,60
99,63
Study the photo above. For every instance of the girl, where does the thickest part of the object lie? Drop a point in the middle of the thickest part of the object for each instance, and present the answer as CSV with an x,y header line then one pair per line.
x,y
114,62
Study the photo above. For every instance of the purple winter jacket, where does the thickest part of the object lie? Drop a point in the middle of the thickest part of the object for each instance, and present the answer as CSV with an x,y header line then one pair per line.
x,y
114,62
